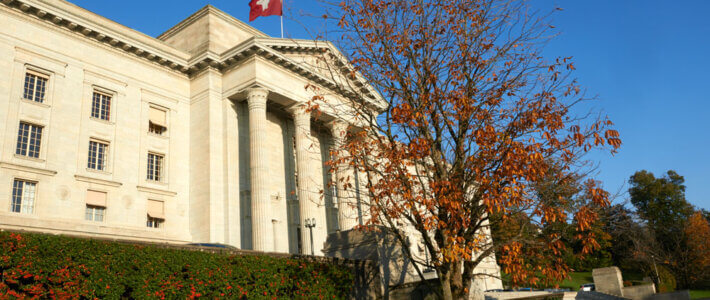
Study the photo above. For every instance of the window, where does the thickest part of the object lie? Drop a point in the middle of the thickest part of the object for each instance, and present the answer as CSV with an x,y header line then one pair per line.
x,y
155,167
29,137
95,213
35,87
156,214
95,206
155,222
101,106
23,196
157,121
98,154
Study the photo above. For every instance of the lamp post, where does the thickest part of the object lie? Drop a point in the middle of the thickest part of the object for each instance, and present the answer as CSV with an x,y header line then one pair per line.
x,y
655,268
310,223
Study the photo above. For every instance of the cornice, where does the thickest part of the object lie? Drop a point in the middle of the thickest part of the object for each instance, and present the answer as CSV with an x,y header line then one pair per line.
x,y
155,191
97,181
253,47
138,45
9,165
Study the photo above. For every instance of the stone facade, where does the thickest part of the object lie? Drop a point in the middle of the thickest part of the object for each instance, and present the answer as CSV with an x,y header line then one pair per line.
x,y
232,132
198,135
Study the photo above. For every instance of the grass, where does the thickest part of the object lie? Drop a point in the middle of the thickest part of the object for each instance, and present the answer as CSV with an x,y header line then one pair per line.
x,y
579,278
576,279
699,294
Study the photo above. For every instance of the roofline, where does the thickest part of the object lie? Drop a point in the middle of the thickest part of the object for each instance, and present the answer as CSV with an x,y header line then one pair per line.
x,y
59,7
204,11
76,20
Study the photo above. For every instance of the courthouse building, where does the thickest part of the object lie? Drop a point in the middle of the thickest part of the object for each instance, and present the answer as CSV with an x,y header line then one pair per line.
x,y
198,135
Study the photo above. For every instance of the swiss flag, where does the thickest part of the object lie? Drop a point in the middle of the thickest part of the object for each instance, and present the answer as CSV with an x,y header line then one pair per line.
x,y
263,8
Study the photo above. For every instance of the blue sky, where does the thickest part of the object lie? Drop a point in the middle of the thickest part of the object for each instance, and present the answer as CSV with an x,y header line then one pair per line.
x,y
646,61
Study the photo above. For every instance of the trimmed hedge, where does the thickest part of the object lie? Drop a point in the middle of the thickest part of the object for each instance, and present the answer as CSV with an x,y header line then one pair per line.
x,y
46,266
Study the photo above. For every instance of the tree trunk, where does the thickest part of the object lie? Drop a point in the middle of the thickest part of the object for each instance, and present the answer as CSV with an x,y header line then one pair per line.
x,y
445,281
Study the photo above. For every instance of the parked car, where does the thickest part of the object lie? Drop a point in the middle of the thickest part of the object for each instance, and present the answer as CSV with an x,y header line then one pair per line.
x,y
587,287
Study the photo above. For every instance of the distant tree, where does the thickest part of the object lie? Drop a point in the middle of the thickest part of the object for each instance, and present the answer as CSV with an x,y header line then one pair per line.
x,y
706,214
618,221
470,117
661,203
694,259
672,226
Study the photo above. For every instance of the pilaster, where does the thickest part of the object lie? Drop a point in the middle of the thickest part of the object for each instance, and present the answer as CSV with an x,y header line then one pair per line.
x,y
207,158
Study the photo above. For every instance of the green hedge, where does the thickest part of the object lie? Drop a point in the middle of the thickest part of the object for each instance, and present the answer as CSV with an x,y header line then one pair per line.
x,y
46,266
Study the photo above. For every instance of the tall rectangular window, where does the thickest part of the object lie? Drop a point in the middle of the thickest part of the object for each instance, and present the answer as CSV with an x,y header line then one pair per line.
x,y
23,196
101,106
156,213
35,87
157,121
95,206
155,167
98,154
29,138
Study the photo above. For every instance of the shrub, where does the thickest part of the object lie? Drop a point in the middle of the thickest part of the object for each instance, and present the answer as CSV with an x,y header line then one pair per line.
x,y
45,266
667,280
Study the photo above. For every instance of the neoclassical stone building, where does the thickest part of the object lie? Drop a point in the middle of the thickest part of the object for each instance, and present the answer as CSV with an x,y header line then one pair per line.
x,y
199,135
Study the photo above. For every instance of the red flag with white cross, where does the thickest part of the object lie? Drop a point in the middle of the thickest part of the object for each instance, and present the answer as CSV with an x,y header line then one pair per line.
x,y
263,8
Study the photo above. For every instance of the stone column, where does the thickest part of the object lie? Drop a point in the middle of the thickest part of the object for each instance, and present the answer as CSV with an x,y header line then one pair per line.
x,y
307,196
262,228
347,201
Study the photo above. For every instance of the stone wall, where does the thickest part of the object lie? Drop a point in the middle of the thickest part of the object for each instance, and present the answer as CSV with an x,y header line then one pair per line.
x,y
608,281
639,291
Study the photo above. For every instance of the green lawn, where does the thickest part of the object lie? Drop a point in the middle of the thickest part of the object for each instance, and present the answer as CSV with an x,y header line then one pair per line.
x,y
699,294
577,279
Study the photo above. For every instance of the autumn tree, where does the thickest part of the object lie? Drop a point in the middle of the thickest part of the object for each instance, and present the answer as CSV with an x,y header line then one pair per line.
x,y
670,232
467,119
697,253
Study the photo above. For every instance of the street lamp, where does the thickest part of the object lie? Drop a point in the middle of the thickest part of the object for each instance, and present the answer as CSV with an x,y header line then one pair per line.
x,y
658,279
310,223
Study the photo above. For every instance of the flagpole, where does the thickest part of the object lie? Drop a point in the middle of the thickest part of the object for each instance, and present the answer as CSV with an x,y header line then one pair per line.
x,y
282,18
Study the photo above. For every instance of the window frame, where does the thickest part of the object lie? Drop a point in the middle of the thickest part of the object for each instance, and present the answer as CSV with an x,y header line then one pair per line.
x,y
108,111
91,210
164,132
106,156
23,207
160,173
39,75
154,223
31,131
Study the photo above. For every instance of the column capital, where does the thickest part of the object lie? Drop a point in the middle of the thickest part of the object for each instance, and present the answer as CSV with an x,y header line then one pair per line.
x,y
300,113
256,97
298,108
338,128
